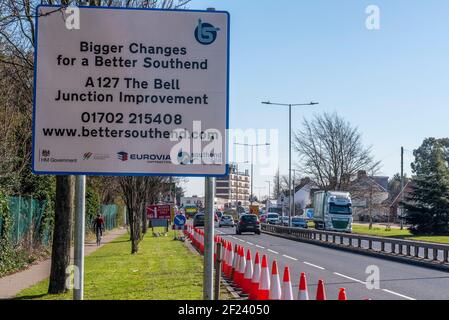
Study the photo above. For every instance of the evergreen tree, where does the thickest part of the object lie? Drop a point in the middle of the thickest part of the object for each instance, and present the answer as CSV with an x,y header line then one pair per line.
x,y
428,205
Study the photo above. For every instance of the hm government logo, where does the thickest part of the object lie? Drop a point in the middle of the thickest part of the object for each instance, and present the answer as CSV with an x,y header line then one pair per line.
x,y
205,33
45,153
122,156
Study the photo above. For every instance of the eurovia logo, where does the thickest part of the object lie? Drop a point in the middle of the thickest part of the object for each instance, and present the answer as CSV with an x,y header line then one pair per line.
x,y
122,156
205,33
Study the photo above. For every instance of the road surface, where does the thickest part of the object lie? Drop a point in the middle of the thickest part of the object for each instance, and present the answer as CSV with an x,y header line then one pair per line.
x,y
398,281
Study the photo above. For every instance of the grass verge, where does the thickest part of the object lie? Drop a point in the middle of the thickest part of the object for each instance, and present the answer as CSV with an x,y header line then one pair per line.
x,y
397,233
392,233
163,269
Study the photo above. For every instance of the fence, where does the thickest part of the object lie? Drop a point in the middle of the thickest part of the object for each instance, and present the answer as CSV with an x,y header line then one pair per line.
x,y
415,250
27,221
110,215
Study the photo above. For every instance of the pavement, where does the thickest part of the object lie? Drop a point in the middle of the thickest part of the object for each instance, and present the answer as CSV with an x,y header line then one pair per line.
x,y
11,285
397,280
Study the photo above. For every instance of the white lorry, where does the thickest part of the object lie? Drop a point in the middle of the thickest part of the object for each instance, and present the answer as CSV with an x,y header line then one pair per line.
x,y
332,211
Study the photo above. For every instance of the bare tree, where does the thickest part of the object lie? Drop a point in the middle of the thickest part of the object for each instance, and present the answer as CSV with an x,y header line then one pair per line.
x,y
138,192
331,151
17,40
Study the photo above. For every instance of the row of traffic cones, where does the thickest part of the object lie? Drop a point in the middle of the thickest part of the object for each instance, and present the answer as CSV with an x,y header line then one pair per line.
x,y
256,282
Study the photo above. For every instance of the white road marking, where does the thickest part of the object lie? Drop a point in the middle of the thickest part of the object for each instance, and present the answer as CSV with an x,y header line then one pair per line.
x,y
250,243
288,257
221,232
272,251
260,246
398,294
234,237
240,240
349,278
313,265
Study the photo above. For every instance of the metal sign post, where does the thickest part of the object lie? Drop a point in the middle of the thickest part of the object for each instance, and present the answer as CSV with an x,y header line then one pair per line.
x,y
80,199
209,239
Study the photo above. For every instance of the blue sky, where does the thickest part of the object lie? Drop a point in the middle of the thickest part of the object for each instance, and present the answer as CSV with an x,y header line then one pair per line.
x,y
392,83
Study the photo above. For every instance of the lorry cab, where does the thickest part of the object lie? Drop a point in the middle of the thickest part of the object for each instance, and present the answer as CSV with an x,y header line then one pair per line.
x,y
333,211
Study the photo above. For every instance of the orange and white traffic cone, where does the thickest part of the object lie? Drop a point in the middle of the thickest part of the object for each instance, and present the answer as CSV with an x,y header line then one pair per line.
x,y
242,267
342,294
248,274
275,288
201,241
230,260
237,267
321,291
287,293
254,289
303,294
235,257
222,255
216,241
225,265
264,284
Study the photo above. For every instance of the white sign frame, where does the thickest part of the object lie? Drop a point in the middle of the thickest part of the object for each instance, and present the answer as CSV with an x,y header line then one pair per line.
x,y
201,170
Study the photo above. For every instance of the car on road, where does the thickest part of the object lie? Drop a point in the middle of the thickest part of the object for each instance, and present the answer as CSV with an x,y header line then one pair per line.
x,y
284,221
198,220
226,221
299,222
248,223
273,218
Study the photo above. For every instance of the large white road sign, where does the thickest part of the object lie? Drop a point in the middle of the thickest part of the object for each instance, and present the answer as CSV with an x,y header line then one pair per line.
x,y
131,92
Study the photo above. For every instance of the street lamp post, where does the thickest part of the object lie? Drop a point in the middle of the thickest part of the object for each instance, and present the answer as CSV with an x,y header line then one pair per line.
x,y
294,190
269,189
252,146
290,105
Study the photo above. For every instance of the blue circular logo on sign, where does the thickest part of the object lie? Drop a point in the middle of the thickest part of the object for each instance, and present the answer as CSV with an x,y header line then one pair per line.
x,y
205,33
183,158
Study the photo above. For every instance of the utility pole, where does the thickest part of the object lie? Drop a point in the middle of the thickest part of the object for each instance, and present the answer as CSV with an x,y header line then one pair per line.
x,y
252,176
402,188
294,191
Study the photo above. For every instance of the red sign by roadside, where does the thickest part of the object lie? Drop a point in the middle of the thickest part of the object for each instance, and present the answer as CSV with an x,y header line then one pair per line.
x,y
159,212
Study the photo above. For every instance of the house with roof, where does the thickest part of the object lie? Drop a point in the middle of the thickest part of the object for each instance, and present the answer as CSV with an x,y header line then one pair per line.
x,y
303,196
370,197
395,204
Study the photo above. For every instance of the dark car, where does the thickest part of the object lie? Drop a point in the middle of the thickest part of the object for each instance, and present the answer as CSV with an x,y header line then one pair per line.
x,y
299,222
248,223
198,220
